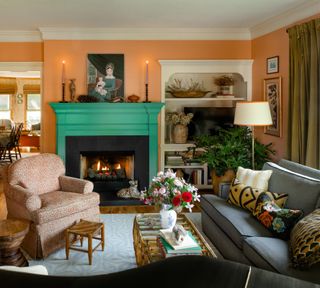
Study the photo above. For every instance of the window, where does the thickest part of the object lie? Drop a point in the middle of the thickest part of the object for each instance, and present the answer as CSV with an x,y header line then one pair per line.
x,y
33,109
5,112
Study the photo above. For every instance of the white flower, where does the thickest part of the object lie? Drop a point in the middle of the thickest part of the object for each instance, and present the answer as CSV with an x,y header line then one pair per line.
x,y
196,197
170,174
189,206
160,174
162,190
177,182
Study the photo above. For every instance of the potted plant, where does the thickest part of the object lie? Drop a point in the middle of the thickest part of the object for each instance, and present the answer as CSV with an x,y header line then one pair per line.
x,y
179,120
229,149
225,84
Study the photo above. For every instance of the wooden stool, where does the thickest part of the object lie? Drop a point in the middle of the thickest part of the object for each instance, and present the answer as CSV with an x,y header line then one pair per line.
x,y
85,229
12,233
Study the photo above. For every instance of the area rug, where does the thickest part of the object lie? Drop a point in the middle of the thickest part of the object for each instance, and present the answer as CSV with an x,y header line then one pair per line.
x,y
117,256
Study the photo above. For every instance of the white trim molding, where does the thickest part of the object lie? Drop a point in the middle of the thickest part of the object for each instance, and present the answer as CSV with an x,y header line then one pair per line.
x,y
307,9
21,66
145,34
20,36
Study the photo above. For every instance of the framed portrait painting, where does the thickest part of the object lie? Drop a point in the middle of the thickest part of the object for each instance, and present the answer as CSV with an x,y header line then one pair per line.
x,y
272,94
105,77
273,65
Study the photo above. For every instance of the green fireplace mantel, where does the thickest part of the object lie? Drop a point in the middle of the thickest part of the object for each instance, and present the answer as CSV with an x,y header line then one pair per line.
x,y
108,119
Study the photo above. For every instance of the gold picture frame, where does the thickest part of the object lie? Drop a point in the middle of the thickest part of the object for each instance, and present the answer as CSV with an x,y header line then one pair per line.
x,y
273,94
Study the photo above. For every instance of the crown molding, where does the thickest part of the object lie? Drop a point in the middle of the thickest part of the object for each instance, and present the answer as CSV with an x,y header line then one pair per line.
x,y
20,36
305,10
144,34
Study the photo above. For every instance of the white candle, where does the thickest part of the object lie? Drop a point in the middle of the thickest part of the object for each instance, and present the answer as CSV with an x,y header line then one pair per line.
x,y
147,72
63,72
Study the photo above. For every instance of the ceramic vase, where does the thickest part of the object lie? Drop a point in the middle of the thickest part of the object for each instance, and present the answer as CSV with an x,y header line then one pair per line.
x,y
168,217
180,134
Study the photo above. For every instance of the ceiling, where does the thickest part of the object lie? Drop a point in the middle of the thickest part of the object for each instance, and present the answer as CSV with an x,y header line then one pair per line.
x,y
21,15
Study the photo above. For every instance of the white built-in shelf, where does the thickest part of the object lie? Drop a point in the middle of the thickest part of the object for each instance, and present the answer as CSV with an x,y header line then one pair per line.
x,y
185,166
203,99
177,147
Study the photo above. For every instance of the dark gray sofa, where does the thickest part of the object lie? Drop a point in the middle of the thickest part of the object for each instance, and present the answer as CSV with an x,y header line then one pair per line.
x,y
240,237
184,271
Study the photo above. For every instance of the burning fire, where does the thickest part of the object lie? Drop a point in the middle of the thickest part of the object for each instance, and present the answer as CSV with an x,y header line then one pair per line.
x,y
102,168
117,166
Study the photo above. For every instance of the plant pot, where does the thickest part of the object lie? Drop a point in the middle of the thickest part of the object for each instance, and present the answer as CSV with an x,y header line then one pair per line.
x,y
226,90
168,217
180,134
227,177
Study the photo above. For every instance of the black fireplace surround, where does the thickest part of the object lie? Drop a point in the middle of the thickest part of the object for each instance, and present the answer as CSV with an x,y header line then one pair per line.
x,y
139,145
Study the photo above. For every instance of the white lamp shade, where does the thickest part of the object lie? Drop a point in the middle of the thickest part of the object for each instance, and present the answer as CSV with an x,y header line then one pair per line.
x,y
252,114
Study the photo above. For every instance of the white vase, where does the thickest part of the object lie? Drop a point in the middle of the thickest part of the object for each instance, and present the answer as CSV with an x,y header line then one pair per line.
x,y
168,217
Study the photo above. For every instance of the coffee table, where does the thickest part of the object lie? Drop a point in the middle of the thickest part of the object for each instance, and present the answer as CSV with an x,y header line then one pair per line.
x,y
146,231
12,233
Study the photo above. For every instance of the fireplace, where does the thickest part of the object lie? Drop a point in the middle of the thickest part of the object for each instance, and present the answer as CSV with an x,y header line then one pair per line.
x,y
122,136
110,162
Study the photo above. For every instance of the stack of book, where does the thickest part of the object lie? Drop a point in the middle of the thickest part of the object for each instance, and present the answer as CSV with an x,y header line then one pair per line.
x,y
169,247
174,160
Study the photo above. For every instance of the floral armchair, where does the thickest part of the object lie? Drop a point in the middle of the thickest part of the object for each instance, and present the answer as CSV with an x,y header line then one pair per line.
x,y
36,189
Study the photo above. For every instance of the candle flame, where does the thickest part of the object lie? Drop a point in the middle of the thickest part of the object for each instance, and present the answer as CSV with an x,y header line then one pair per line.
x,y
63,62
147,62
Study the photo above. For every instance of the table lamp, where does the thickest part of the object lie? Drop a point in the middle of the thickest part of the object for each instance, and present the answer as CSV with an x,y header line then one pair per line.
x,y
252,114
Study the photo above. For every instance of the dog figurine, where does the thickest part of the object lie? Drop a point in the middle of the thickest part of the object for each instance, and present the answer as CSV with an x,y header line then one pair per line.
x,y
130,192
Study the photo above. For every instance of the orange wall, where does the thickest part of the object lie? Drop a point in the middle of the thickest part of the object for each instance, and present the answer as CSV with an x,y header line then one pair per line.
x,y
269,45
21,52
135,54
272,44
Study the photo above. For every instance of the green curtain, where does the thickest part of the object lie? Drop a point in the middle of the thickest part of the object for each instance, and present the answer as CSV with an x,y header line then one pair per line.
x,y
304,94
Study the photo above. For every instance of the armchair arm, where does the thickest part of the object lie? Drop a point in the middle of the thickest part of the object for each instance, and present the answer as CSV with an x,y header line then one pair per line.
x,y
71,184
24,197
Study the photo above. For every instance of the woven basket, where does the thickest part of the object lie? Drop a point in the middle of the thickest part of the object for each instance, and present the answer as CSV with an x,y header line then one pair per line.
x,y
188,94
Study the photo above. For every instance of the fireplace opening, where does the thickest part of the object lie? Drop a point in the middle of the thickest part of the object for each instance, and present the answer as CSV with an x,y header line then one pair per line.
x,y
111,163
105,166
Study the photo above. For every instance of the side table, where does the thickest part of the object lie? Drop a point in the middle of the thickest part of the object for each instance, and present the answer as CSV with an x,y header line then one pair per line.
x,y
85,229
12,233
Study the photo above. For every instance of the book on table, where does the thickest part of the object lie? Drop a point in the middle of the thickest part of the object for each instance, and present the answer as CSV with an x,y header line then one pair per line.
x,y
168,251
188,246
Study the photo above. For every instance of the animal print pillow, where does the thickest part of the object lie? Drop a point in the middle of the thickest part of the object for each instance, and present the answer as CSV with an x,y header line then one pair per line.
x,y
305,241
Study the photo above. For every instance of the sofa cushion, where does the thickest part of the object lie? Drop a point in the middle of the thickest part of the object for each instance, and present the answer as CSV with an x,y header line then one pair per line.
x,y
273,254
299,168
303,191
246,197
60,204
277,220
254,178
305,241
237,223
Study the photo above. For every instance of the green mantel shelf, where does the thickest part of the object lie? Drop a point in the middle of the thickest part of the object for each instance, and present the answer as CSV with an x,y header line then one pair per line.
x,y
108,119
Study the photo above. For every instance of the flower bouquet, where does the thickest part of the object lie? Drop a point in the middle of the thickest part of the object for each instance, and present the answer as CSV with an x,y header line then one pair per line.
x,y
166,189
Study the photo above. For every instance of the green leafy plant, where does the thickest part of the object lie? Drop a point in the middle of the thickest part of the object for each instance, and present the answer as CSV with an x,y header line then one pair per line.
x,y
231,148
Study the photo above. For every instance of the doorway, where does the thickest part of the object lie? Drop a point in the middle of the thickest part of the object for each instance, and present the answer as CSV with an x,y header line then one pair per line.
x,y
21,101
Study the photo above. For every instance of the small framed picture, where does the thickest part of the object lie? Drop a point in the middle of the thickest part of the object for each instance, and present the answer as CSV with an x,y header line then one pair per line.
x,y
273,65
272,94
